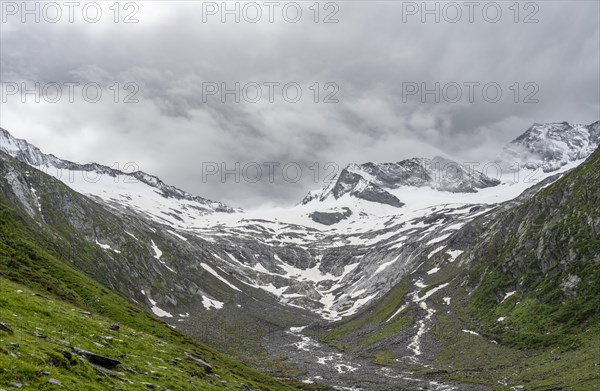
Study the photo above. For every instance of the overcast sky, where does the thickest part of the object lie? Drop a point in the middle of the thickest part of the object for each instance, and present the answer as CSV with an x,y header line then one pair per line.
x,y
372,58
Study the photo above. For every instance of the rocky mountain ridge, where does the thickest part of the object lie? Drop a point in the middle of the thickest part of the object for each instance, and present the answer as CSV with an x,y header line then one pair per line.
x,y
318,262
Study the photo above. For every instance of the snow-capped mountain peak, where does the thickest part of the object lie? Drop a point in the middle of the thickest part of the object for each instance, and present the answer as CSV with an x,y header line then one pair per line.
x,y
138,190
373,181
550,146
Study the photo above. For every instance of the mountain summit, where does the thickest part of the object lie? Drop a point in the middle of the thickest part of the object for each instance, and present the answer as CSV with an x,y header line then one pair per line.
x,y
552,145
549,146
162,201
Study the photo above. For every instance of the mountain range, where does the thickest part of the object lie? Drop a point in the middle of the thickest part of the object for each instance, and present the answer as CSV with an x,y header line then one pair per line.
x,y
370,282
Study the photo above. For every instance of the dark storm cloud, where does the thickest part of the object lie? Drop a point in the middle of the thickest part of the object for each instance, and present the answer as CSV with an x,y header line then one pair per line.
x,y
369,54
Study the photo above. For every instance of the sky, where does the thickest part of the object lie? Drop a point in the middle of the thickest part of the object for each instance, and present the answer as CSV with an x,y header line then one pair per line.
x,y
338,83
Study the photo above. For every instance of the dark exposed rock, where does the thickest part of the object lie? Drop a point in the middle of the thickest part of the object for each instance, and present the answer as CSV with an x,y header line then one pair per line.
x,y
97,359
326,218
199,362
114,327
4,327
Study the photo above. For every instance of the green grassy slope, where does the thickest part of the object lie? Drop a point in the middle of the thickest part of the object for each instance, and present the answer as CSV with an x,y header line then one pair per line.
x,y
150,350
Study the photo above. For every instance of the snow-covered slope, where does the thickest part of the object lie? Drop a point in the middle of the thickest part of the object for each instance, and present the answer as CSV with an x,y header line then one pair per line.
x,y
345,245
136,191
373,182
551,146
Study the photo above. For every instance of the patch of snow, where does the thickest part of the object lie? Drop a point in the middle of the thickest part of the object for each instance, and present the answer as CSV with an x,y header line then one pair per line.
x,y
37,200
507,295
177,235
430,292
420,284
158,311
453,254
167,266
106,247
384,266
209,303
214,273
402,308
157,252
438,239
434,270
431,254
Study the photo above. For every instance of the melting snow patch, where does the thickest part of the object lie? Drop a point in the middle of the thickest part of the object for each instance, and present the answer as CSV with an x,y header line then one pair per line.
x,y
434,270
397,312
132,235
453,254
211,303
507,295
501,319
296,330
167,266
446,300
469,332
157,252
438,239
37,199
177,235
420,284
418,299
106,247
214,273
384,266
158,311
431,254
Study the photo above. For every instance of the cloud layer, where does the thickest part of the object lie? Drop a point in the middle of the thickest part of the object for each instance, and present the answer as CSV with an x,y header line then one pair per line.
x,y
371,56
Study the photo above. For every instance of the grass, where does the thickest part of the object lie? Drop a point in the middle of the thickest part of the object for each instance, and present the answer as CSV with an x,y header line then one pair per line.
x,y
148,343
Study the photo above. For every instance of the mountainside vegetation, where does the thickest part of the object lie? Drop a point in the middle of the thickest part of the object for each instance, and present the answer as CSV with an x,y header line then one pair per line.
x,y
51,313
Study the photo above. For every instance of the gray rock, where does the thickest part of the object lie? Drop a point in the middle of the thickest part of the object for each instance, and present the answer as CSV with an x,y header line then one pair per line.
x,y
97,359
55,382
330,218
199,362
